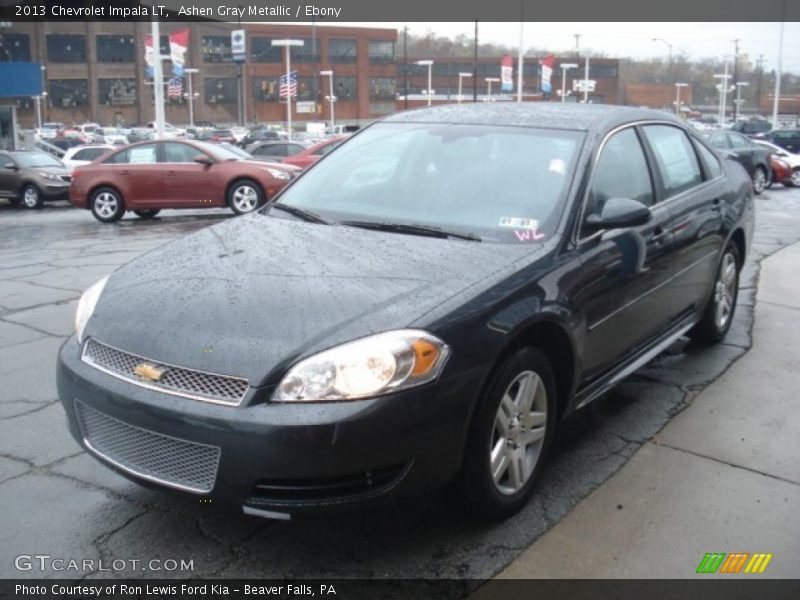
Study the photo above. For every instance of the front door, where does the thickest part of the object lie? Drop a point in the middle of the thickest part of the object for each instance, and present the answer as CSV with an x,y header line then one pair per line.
x,y
188,184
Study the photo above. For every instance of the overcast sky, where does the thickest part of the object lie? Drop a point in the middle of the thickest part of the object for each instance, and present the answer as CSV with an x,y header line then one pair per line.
x,y
635,39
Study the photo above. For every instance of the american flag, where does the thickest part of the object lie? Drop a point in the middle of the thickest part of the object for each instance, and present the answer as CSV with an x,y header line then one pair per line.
x,y
288,87
175,87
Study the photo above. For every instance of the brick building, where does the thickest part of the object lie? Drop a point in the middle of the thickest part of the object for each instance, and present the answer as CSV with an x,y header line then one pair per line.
x,y
95,71
656,95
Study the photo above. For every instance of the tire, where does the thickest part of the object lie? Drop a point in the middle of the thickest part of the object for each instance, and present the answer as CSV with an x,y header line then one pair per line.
x,y
147,214
107,205
244,196
719,312
795,182
760,180
32,196
504,453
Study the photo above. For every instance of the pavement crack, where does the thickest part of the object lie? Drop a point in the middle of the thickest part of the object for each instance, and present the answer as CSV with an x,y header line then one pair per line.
x,y
724,462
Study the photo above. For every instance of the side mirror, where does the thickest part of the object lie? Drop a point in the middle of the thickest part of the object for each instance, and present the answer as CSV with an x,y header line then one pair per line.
x,y
619,213
203,160
12,167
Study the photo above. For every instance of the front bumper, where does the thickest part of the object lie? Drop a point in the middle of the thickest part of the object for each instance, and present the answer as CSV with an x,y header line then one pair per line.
x,y
55,191
288,458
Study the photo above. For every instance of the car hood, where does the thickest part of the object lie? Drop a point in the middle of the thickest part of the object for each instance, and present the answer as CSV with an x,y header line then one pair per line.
x,y
271,164
50,170
250,296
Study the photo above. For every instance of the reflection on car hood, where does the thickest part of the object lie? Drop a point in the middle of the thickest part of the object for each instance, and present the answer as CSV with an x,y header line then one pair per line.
x,y
51,170
246,296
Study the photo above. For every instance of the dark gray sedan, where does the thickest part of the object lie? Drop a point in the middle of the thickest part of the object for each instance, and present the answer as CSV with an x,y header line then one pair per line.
x,y
421,307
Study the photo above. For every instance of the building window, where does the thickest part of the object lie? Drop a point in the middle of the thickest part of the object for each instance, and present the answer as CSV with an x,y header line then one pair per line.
x,y
216,48
382,88
115,48
305,89
597,71
381,52
116,92
67,93
262,50
344,88
265,89
342,51
63,48
15,46
307,52
220,90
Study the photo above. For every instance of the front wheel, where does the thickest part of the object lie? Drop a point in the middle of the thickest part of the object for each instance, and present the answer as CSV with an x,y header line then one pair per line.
x,y
760,180
107,205
717,318
32,196
245,196
147,214
511,433
796,178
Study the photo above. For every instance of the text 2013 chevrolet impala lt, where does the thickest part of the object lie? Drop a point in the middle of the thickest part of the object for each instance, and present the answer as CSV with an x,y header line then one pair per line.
x,y
421,307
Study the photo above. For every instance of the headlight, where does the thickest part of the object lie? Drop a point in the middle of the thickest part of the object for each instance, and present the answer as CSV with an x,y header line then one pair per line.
x,y
278,174
86,307
371,366
50,176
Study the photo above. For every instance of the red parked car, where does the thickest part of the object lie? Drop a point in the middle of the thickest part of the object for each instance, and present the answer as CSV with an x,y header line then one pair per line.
x,y
312,154
781,172
149,176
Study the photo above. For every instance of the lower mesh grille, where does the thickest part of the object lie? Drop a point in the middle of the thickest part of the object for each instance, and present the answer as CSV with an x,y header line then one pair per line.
x,y
177,463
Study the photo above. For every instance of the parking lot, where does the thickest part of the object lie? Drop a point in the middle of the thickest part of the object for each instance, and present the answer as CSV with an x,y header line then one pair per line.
x,y
84,511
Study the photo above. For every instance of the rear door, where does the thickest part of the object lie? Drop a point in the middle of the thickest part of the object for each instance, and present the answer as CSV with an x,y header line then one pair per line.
x,y
625,272
9,176
137,174
689,180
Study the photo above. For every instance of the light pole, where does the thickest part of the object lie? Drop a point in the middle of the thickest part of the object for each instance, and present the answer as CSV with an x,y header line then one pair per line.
x,y
189,72
489,81
460,79
288,45
776,96
331,98
564,68
738,101
723,92
663,41
429,64
158,80
678,87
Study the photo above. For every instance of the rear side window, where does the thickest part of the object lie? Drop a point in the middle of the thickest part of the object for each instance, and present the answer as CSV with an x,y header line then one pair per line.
x,y
675,157
621,172
710,161
145,154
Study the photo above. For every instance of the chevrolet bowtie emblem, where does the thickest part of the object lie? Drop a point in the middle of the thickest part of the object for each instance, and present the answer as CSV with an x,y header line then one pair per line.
x,y
149,371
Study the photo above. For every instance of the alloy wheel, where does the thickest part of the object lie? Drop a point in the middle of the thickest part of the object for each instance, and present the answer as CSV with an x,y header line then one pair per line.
x,y
725,290
796,178
519,432
759,181
106,204
31,197
245,198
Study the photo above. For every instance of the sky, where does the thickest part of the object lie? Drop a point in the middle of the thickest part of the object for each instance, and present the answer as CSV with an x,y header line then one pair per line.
x,y
698,40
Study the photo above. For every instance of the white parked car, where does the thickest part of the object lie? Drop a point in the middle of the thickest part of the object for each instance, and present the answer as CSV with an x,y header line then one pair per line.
x,y
110,135
88,128
170,131
78,156
239,133
48,131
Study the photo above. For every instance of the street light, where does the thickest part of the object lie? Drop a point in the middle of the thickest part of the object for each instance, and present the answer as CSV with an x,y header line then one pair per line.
x,y
564,68
429,64
663,41
331,98
288,45
489,81
678,87
723,92
190,94
460,79
738,101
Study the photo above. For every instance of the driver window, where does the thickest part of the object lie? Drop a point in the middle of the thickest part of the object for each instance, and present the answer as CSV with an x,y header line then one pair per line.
x,y
180,153
621,172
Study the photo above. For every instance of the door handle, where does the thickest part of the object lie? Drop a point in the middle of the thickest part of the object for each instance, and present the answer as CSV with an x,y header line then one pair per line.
x,y
126,172
716,205
658,236
170,172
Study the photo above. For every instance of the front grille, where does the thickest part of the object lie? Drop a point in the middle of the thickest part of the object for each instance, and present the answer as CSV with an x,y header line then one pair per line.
x,y
327,490
198,385
171,461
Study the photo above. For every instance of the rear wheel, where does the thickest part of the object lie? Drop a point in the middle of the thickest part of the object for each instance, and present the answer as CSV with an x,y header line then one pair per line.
x,y
147,214
760,180
511,433
32,196
721,307
107,205
796,178
245,196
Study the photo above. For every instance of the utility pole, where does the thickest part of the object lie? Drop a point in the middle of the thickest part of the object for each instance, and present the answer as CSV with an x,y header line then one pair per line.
x,y
759,81
405,67
521,51
577,44
778,72
475,66
158,79
735,77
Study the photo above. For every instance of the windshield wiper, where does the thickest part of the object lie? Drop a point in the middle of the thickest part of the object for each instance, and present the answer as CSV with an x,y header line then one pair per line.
x,y
413,229
300,213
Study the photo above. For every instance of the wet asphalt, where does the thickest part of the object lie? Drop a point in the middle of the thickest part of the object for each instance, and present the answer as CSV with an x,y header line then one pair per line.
x,y
59,501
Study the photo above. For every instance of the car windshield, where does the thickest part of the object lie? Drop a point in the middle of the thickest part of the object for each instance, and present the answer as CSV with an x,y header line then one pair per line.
x,y
503,184
218,151
36,159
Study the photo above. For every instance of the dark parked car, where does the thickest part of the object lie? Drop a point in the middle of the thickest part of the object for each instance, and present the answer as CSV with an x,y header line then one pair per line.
x,y
149,176
421,307
306,158
752,127
258,135
788,139
32,178
275,151
217,135
752,156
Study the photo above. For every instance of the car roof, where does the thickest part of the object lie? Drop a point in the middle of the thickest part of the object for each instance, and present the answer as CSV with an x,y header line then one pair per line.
x,y
545,115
